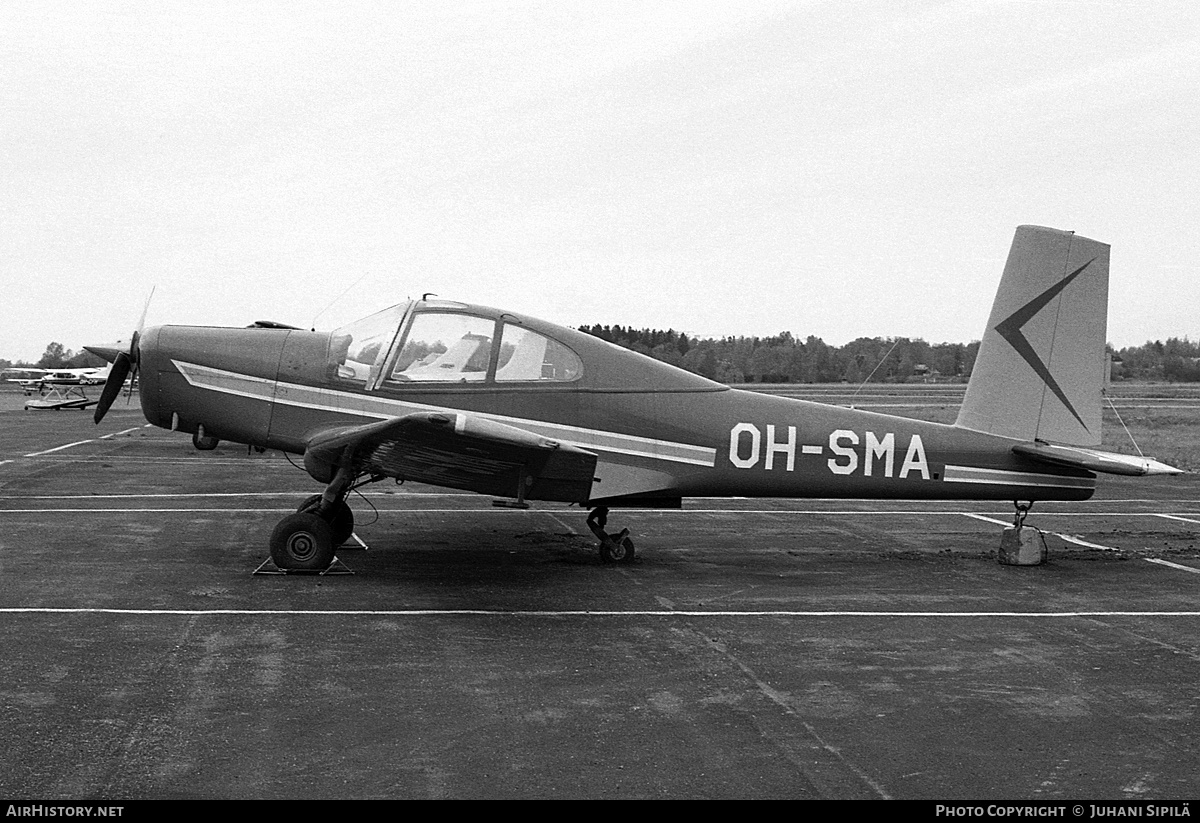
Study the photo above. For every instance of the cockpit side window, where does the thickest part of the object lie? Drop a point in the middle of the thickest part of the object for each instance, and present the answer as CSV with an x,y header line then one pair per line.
x,y
528,356
445,347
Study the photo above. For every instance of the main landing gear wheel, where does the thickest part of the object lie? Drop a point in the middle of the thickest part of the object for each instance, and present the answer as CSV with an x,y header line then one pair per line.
x,y
302,541
616,548
341,520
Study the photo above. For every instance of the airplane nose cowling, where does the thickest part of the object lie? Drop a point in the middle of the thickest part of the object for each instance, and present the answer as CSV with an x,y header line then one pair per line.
x,y
221,379
148,373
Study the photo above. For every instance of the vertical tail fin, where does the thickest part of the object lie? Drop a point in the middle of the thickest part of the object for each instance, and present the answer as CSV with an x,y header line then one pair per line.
x,y
1039,374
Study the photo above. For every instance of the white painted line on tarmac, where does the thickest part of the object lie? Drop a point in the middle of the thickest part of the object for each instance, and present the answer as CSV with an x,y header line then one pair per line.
x,y
138,510
1181,567
300,493
1086,544
60,448
174,495
865,512
491,510
1068,538
1177,517
126,431
1045,514
82,442
582,613
974,516
410,495
1078,542
168,461
564,524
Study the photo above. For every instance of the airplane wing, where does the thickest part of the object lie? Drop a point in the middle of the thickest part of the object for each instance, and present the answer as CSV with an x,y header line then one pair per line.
x,y
458,451
1094,460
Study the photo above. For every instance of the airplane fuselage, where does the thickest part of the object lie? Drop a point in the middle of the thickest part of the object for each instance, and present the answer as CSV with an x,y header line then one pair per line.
x,y
659,433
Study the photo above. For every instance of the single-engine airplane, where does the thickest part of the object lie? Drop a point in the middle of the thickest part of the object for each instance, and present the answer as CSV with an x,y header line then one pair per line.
x,y
30,380
470,397
76,377
64,388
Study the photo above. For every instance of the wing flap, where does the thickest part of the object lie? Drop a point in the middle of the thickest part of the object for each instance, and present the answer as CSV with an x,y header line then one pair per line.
x,y
1094,460
459,451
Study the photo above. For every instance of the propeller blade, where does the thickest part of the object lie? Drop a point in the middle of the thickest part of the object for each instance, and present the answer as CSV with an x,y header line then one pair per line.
x,y
113,385
142,321
122,362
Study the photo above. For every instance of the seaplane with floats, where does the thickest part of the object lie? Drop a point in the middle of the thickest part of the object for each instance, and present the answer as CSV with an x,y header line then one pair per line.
x,y
491,401
77,377
65,389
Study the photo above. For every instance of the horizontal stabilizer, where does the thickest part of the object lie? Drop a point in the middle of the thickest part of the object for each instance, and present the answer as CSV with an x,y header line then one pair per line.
x,y
1093,460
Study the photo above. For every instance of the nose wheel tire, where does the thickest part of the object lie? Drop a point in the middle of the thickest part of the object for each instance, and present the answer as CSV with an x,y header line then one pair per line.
x,y
302,541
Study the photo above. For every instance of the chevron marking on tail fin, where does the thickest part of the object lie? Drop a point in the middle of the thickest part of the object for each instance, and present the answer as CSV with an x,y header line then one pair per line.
x,y
1010,330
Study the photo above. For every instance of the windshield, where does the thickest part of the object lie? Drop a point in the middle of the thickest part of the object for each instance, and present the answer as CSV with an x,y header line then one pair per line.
x,y
355,348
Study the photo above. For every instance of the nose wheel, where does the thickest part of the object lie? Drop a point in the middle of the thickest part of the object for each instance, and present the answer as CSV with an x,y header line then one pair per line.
x,y
614,548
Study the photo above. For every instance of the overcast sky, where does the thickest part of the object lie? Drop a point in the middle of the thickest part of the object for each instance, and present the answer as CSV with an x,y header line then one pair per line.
x,y
838,169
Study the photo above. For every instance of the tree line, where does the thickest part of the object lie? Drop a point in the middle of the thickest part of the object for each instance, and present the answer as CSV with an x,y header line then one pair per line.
x,y
1176,361
58,356
784,358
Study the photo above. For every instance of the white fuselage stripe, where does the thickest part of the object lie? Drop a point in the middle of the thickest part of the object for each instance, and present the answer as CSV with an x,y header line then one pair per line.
x,y
1001,477
381,408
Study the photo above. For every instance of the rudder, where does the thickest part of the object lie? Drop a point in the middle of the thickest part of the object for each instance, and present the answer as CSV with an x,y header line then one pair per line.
x,y
1039,374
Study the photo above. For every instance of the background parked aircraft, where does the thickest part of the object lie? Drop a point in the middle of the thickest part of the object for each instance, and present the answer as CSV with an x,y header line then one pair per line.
x,y
80,377
28,379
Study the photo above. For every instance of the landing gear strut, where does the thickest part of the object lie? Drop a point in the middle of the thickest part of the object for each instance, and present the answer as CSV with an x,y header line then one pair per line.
x,y
339,516
616,548
308,539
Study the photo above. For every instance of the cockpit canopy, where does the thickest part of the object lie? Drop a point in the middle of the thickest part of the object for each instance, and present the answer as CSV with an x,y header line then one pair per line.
x,y
447,343
443,344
